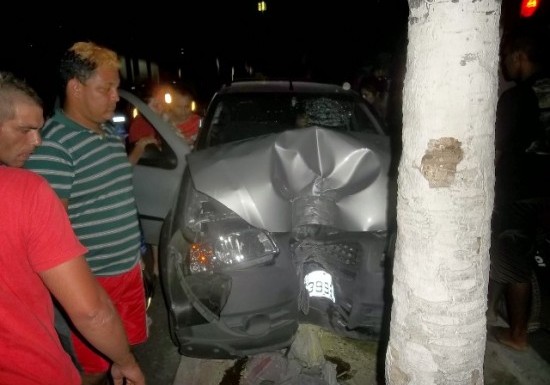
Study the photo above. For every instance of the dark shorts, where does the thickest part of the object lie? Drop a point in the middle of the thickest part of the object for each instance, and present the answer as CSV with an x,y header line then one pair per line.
x,y
520,229
128,295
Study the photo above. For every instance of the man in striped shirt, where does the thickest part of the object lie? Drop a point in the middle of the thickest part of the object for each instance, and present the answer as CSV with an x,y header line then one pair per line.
x,y
85,162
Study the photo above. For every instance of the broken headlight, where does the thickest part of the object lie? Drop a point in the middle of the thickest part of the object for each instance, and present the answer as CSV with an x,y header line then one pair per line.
x,y
220,240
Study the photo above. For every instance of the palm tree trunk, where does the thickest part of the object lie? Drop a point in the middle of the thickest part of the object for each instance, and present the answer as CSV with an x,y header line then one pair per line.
x,y
445,194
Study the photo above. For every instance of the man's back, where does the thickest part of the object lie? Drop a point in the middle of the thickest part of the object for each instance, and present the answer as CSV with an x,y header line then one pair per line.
x,y
29,211
517,121
518,130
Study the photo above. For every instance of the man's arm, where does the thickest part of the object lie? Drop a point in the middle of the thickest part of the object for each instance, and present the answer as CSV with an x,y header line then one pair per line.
x,y
92,312
139,148
140,134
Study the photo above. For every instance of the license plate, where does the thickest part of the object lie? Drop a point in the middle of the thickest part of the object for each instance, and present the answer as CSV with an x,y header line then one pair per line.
x,y
319,284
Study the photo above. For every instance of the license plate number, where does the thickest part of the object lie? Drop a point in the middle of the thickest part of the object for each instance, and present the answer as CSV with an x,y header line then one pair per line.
x,y
319,284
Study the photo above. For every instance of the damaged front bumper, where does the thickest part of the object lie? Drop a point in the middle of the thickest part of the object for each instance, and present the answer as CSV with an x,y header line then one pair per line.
x,y
246,257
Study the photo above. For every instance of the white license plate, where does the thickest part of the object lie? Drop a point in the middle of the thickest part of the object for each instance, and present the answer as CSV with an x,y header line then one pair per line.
x,y
319,284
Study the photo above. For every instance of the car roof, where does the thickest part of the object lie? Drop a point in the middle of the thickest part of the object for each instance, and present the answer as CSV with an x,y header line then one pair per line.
x,y
278,86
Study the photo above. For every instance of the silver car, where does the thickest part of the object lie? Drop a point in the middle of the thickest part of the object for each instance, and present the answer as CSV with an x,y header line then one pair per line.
x,y
280,214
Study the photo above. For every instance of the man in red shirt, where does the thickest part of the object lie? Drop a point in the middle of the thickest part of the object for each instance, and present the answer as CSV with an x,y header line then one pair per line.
x,y
140,127
178,112
183,118
141,133
40,255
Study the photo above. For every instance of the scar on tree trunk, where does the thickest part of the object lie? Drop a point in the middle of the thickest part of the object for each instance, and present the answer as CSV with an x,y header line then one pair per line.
x,y
438,164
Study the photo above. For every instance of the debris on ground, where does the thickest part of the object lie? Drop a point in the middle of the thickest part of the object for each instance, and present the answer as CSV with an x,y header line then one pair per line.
x,y
316,357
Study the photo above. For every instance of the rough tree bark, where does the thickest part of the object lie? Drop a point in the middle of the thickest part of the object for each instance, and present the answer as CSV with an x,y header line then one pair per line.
x,y
445,194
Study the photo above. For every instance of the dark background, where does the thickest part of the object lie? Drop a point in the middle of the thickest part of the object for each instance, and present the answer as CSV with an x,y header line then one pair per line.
x,y
200,43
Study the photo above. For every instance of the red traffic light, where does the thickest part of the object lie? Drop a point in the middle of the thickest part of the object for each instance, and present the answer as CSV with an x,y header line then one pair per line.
x,y
529,7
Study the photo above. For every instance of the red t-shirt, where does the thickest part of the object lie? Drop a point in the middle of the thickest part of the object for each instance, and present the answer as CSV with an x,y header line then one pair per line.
x,y
35,235
140,128
190,127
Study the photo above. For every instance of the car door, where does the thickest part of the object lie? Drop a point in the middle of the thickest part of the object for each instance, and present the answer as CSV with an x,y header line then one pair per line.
x,y
158,173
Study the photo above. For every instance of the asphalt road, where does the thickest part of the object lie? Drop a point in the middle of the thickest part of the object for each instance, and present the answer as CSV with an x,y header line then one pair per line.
x,y
158,357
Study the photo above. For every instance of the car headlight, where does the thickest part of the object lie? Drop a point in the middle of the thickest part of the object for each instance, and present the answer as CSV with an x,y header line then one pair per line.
x,y
220,240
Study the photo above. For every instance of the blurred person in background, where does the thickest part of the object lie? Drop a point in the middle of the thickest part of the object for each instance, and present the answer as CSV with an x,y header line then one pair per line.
x,y
182,116
86,163
178,111
40,257
522,188
373,91
140,128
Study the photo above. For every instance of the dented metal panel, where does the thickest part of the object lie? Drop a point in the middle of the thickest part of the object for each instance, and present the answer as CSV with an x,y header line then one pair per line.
x,y
312,175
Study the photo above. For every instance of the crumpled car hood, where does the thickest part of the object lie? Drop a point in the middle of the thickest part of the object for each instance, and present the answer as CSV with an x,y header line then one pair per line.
x,y
305,176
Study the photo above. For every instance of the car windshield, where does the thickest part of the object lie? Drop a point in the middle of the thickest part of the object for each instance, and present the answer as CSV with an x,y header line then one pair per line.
x,y
241,116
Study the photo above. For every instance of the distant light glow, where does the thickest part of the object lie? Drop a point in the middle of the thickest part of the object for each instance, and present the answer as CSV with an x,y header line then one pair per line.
x,y
119,119
528,7
262,6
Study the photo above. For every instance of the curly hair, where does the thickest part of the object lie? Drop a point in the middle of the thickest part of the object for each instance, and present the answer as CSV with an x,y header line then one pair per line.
x,y
13,89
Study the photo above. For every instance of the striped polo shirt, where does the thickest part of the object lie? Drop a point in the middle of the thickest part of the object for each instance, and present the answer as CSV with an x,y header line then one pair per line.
x,y
93,172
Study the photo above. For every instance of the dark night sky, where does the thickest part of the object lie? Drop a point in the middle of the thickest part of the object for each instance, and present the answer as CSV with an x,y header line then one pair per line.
x,y
332,39
337,36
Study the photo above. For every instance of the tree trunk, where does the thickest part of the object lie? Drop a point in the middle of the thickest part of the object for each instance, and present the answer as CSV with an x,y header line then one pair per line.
x,y
445,194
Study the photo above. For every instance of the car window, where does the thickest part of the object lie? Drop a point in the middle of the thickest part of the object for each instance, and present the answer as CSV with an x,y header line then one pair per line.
x,y
245,115
129,115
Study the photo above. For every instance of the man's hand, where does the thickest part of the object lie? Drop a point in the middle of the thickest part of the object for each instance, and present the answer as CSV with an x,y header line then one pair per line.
x,y
139,148
129,372
145,141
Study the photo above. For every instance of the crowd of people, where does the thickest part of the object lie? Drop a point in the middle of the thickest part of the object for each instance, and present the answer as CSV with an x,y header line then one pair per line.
x,y
73,298
73,301
70,231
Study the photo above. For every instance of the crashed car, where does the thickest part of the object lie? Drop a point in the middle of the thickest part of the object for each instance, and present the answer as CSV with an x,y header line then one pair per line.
x,y
281,216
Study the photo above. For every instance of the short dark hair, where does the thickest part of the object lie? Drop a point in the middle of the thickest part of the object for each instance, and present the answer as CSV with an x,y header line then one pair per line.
x,y
530,39
81,60
13,89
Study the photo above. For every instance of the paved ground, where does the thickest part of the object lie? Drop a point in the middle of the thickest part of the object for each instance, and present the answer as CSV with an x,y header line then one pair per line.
x,y
158,357
164,366
505,366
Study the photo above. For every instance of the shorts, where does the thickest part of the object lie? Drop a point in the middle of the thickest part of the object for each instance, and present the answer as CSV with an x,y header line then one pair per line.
x,y
520,229
127,293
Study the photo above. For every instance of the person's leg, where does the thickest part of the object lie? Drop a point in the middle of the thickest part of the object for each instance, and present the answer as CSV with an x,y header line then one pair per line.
x,y
495,296
511,263
495,292
518,301
128,295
